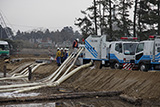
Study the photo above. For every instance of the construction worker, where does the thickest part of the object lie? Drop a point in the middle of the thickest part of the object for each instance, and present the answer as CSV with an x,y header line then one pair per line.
x,y
65,54
62,55
58,57
75,45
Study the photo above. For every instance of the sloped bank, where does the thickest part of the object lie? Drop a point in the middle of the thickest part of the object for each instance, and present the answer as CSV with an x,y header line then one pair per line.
x,y
135,84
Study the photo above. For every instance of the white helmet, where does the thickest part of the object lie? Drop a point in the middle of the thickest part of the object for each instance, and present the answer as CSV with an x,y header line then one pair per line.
x,y
61,48
57,48
77,39
65,48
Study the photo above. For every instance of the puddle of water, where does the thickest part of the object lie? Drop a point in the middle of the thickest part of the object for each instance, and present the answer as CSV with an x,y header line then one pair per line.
x,y
83,102
12,95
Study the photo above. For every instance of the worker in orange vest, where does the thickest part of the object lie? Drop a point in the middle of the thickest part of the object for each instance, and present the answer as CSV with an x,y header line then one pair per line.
x,y
75,45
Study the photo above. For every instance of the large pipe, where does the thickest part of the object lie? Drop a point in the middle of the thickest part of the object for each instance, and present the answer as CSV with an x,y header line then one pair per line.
x,y
32,86
27,68
55,77
61,67
69,62
59,81
52,75
18,85
20,68
17,76
72,63
55,83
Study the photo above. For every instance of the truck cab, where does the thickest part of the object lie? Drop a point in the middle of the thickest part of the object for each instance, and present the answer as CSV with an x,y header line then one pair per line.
x,y
148,54
122,52
4,49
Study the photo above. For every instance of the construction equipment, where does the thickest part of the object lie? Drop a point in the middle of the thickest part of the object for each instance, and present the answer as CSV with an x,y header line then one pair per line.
x,y
4,49
110,53
122,52
148,54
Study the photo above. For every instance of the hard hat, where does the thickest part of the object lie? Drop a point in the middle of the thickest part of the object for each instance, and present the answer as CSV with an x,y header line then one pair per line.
x,y
77,39
61,48
65,48
57,48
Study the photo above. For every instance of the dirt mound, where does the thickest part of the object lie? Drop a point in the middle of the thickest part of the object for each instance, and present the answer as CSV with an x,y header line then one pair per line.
x,y
133,83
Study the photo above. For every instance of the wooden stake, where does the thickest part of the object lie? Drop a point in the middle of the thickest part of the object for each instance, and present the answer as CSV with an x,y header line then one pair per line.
x,y
4,69
30,73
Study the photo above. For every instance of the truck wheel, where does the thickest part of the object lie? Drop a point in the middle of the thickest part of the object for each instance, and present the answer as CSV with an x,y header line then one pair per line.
x,y
143,67
117,66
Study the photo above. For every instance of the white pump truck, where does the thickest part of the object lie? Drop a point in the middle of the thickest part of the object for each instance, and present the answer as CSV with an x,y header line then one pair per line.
x,y
96,49
122,52
113,54
147,55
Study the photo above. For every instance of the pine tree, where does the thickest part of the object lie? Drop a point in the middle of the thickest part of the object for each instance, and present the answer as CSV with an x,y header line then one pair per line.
x,y
125,23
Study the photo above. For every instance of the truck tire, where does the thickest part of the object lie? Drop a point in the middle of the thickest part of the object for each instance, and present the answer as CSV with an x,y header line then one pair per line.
x,y
143,67
116,65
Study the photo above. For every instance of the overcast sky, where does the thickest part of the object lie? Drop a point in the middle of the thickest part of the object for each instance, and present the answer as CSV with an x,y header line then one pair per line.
x,y
26,15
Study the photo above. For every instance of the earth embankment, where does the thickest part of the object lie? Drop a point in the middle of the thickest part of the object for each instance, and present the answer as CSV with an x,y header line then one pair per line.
x,y
145,85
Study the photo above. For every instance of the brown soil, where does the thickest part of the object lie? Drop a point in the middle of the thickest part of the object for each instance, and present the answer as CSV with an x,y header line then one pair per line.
x,y
133,83
145,85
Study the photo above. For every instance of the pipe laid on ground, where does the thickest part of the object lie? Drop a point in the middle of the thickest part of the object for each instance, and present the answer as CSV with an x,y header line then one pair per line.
x,y
18,69
56,76
21,88
25,70
52,75
18,85
59,81
45,84
72,64
61,67
55,83
21,76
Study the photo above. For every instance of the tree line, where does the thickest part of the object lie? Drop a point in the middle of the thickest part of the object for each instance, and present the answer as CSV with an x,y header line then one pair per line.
x,y
20,39
116,18
66,34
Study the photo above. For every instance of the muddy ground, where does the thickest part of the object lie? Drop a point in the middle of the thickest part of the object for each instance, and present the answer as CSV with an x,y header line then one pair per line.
x,y
137,84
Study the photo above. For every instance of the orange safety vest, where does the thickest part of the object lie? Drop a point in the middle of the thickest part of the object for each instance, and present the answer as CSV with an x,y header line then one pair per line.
x,y
76,43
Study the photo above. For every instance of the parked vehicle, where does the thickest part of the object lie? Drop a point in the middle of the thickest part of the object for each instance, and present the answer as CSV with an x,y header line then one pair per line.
x,y
110,53
148,54
4,49
122,52
96,48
